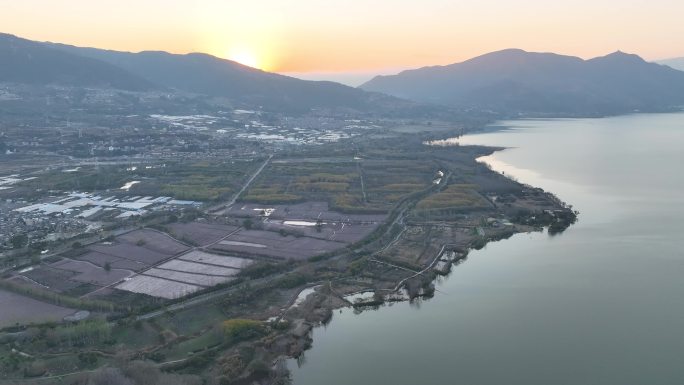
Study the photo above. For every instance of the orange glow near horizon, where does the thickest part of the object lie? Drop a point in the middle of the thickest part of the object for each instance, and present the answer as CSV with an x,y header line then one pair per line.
x,y
245,57
354,36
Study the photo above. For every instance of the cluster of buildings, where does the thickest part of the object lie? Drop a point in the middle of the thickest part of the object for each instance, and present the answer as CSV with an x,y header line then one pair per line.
x,y
75,213
90,206
38,228
255,126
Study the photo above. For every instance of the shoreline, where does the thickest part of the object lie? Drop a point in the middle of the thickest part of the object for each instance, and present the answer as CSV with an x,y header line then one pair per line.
x,y
428,288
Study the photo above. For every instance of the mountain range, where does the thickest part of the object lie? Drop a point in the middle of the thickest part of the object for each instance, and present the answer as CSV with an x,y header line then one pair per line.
x,y
28,62
676,63
37,63
510,82
520,82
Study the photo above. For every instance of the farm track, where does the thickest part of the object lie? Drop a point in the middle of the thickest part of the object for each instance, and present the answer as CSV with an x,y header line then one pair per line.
x,y
219,208
399,219
363,184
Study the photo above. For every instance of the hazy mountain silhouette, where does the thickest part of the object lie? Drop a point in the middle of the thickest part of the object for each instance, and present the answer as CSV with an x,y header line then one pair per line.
x,y
205,74
676,63
516,81
36,63
28,62
509,81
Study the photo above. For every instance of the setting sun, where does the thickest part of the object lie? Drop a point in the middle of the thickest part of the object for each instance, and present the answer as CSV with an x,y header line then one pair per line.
x,y
245,57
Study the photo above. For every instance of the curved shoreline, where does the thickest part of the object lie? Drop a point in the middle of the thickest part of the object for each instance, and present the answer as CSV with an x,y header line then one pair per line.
x,y
375,303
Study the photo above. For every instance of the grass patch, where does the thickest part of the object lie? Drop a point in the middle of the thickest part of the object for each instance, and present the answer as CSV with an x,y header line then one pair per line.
x,y
454,196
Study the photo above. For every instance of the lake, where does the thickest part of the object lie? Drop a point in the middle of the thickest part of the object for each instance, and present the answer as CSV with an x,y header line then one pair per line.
x,y
603,303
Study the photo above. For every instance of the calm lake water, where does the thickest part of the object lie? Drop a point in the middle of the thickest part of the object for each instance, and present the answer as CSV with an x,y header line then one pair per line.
x,y
602,303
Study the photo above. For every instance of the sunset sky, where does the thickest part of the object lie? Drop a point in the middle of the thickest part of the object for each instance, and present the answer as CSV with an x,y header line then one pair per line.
x,y
354,36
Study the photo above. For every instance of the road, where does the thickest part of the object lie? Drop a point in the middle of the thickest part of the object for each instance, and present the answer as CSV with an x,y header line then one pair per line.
x,y
244,187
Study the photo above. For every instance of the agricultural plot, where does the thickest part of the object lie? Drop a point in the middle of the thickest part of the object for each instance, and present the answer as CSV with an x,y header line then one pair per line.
x,y
146,247
125,264
454,197
305,181
198,268
306,211
27,310
54,279
309,219
130,252
197,181
272,244
352,232
185,274
195,279
217,260
353,186
102,260
200,233
388,181
89,273
157,287
153,240
347,232
106,263
69,275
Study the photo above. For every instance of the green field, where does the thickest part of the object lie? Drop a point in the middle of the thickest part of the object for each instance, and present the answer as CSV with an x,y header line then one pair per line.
x,y
455,199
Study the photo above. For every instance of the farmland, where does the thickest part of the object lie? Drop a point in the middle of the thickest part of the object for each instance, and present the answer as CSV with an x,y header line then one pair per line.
x,y
200,180
458,196
216,260
197,268
295,231
200,233
314,227
92,274
273,244
104,263
205,180
348,185
157,287
185,257
191,277
142,246
28,310
184,274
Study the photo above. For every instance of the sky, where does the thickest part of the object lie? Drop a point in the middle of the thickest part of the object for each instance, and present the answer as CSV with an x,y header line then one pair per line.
x,y
353,39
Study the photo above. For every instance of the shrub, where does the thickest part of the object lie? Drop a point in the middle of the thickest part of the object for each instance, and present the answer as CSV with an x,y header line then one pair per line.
x,y
291,281
240,328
